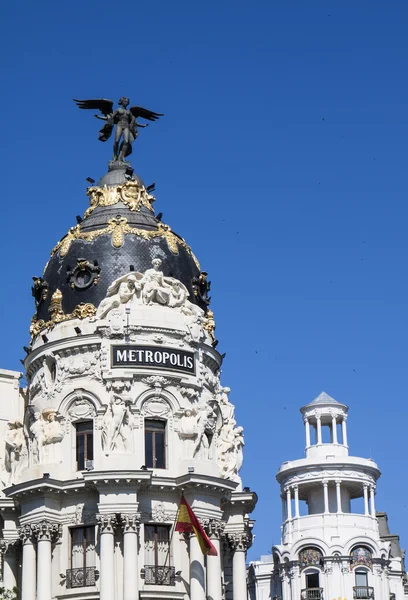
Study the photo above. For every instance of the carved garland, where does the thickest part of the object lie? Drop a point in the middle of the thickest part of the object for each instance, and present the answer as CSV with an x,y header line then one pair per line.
x,y
118,227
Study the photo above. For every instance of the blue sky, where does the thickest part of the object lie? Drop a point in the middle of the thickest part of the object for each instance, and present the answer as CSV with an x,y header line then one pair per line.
x,y
282,161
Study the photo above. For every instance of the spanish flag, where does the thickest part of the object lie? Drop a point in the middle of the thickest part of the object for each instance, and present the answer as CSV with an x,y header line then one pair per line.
x,y
187,522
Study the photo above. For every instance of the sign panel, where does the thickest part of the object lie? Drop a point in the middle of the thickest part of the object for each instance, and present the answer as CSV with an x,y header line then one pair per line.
x,y
172,359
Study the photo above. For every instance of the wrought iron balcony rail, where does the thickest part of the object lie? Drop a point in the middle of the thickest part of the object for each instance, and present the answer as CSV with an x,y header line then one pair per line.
x,y
312,594
160,575
83,577
363,592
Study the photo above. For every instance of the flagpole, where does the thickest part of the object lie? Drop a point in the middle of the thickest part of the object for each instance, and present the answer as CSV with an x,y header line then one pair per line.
x,y
173,529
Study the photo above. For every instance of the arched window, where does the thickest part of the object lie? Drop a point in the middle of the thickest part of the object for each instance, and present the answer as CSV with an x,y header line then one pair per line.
x,y
361,556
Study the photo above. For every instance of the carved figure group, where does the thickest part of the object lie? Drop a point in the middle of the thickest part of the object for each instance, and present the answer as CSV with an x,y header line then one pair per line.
x,y
45,433
15,449
230,438
151,287
116,426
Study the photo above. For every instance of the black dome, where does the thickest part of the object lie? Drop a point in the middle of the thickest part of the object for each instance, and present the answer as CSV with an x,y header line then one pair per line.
x,y
119,234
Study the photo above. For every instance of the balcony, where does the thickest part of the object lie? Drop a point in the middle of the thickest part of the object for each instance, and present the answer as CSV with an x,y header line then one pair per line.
x,y
312,594
159,575
84,577
363,592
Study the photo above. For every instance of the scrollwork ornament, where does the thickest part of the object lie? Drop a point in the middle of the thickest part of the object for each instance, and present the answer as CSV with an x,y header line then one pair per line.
x,y
106,522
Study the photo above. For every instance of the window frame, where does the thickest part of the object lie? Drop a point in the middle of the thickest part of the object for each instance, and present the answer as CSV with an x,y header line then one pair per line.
x,y
168,557
156,431
84,434
84,544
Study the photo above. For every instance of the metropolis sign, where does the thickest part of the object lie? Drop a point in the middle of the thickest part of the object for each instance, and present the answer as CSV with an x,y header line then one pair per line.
x,y
150,356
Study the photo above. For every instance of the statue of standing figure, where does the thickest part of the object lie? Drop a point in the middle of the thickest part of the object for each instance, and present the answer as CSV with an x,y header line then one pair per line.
x,y
50,437
116,429
15,449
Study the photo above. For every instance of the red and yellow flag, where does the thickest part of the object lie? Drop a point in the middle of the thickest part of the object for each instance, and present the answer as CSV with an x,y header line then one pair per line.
x,y
187,522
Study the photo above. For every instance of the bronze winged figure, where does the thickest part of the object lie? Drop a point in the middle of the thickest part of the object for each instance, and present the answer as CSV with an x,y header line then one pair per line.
x,y
125,120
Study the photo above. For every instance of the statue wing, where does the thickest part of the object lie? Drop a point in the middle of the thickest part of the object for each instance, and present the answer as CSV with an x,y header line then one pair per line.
x,y
144,113
102,104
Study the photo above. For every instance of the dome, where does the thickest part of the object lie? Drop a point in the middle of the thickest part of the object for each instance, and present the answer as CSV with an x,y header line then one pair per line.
x,y
118,234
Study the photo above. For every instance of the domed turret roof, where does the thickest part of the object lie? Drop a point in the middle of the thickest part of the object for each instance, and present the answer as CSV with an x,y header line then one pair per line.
x,y
323,400
119,233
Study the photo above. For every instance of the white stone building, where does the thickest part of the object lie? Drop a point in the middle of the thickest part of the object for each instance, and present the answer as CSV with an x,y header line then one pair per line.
x,y
123,413
334,544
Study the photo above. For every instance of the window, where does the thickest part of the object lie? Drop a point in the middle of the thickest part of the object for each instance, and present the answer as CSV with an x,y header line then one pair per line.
x,y
82,571
312,581
155,448
84,444
157,556
361,579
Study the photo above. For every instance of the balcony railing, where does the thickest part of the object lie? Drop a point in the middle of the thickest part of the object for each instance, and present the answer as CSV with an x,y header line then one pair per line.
x,y
363,592
312,594
81,577
160,575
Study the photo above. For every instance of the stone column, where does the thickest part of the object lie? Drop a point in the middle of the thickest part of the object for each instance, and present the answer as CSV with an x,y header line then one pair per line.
x,y
46,532
366,509
297,511
28,580
10,563
197,570
344,430
107,527
319,429
372,500
215,530
289,504
334,429
326,495
307,430
239,543
338,496
130,527
284,511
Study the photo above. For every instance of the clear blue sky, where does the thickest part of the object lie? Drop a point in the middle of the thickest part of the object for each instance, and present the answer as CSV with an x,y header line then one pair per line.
x,y
282,159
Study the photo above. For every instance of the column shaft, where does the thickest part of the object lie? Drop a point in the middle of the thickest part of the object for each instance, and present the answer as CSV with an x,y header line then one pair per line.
x,y
372,500
44,569
297,511
326,496
239,585
307,430
334,430
197,571
344,431
214,589
289,503
319,430
28,581
366,509
10,569
107,524
130,566
338,495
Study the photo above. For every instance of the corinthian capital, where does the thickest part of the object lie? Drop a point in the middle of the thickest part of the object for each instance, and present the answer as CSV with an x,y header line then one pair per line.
x,y
130,522
214,528
239,542
26,533
46,531
106,523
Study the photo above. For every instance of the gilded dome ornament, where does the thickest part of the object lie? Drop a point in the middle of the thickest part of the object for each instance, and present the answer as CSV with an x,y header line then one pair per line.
x,y
132,194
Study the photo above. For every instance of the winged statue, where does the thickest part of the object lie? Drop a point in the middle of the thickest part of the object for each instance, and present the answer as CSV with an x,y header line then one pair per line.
x,y
125,120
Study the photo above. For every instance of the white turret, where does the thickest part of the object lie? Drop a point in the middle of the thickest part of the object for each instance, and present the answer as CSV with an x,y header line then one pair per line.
x,y
331,545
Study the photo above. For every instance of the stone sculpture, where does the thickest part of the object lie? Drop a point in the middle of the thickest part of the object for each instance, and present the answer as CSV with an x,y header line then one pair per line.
x,y
15,449
115,428
206,419
123,118
51,436
149,288
230,451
